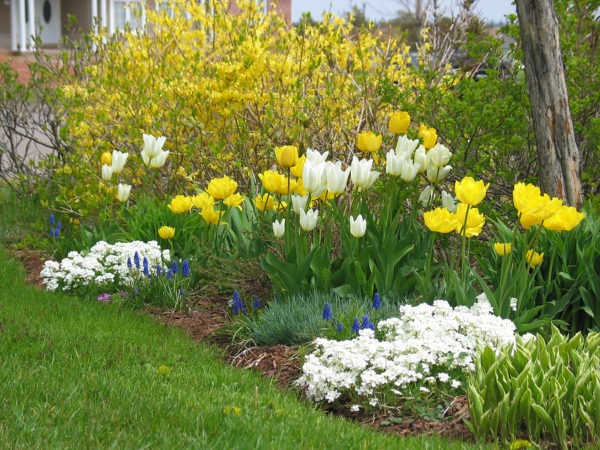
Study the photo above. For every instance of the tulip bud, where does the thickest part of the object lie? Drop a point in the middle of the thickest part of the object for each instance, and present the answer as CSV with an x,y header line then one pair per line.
x,y
106,158
106,172
279,228
287,155
118,161
358,226
308,220
336,177
299,203
123,192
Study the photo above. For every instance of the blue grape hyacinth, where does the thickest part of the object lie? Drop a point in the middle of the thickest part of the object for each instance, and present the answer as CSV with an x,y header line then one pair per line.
x,y
327,312
355,325
185,268
376,301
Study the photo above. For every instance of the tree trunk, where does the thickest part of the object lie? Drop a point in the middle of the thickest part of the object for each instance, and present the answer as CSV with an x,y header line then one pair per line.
x,y
557,151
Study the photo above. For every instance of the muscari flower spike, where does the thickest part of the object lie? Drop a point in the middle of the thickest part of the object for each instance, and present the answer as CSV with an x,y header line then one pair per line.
x,y
256,302
51,219
376,301
175,267
158,269
355,325
129,264
327,312
340,327
146,270
136,260
170,275
59,225
365,322
181,292
185,268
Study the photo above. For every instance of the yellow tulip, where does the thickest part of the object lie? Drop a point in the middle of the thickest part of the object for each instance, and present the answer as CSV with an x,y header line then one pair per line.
x,y
502,248
369,142
533,207
470,191
565,219
234,201
180,204
534,258
287,155
264,202
283,187
422,130
297,168
221,188
300,189
212,216
440,220
203,200
166,232
429,138
471,225
271,180
280,206
399,122
106,158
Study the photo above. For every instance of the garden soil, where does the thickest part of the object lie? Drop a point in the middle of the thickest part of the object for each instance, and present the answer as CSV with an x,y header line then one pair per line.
x,y
277,362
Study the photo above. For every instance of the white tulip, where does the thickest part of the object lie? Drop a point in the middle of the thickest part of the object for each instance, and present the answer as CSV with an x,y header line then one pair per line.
x,y
435,174
426,196
153,146
358,226
315,157
448,202
279,228
405,146
158,160
393,163
118,161
308,220
314,177
336,177
438,156
107,172
361,173
421,158
410,170
299,203
123,192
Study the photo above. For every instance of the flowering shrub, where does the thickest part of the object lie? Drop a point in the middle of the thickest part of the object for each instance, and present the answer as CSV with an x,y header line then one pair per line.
x,y
224,90
104,265
422,345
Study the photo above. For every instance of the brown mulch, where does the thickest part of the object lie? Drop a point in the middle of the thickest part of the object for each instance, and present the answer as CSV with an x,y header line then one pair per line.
x,y
276,362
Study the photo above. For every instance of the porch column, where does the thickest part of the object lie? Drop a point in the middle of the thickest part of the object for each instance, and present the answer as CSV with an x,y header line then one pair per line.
x,y
14,26
31,35
22,26
103,15
94,4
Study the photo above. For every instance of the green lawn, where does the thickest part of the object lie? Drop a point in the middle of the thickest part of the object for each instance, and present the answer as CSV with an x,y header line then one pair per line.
x,y
79,374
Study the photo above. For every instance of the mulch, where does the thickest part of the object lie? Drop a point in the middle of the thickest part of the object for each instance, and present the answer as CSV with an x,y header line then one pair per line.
x,y
278,362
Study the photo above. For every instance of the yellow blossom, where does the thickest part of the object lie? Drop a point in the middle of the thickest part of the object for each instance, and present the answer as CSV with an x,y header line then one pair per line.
x,y
180,204
287,155
399,122
271,180
221,188
565,219
212,216
166,232
470,191
471,225
234,201
502,248
297,168
534,258
440,220
369,142
203,200
264,202
283,187
106,158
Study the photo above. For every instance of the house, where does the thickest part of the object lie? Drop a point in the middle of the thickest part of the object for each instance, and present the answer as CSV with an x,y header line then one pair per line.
x,y
49,17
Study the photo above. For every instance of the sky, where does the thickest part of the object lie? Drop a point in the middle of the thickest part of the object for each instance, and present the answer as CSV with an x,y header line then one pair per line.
x,y
491,10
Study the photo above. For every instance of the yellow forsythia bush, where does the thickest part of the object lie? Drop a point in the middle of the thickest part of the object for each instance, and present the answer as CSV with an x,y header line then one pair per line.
x,y
225,90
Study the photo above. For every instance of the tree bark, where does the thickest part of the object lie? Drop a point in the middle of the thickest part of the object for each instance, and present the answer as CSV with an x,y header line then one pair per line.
x,y
558,156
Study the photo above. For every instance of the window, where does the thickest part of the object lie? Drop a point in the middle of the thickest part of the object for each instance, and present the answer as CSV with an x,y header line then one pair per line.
x,y
130,12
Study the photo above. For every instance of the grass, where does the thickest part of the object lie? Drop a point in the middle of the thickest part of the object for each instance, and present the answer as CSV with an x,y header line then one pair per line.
x,y
76,373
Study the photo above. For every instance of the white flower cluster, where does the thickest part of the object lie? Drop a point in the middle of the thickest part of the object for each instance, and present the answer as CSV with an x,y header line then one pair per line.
x,y
104,264
411,349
